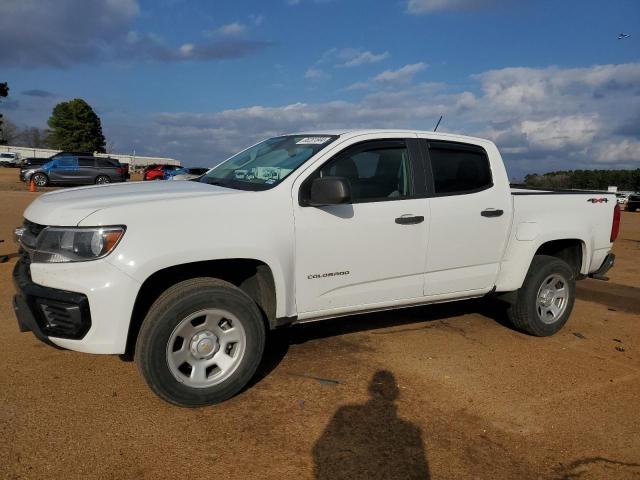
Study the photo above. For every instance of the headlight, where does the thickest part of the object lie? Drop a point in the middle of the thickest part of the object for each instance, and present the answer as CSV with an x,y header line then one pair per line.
x,y
61,244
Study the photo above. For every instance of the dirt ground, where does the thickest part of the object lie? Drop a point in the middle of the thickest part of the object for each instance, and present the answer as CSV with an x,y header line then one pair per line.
x,y
441,392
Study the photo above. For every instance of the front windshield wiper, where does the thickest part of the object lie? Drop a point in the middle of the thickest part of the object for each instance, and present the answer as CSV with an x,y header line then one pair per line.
x,y
236,184
220,182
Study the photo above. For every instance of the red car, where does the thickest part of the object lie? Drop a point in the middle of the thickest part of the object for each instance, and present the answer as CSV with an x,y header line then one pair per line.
x,y
158,172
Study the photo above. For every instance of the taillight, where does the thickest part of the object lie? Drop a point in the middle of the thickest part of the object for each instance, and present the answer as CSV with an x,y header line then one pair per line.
x,y
119,170
615,226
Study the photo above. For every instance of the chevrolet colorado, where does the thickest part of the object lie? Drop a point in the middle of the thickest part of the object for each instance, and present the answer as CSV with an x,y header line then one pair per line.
x,y
189,276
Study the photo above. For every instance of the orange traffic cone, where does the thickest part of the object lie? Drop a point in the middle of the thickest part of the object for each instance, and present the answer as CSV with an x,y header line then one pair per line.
x,y
32,186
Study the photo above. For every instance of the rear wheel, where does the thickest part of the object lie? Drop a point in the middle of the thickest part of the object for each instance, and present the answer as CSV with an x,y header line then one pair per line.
x,y
102,179
545,300
40,179
200,343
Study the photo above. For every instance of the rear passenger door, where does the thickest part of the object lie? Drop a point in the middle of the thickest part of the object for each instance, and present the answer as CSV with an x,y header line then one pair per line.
x,y
86,170
470,216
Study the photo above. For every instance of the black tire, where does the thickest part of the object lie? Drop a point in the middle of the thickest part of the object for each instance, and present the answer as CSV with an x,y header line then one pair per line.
x,y
631,209
168,311
524,312
102,180
40,179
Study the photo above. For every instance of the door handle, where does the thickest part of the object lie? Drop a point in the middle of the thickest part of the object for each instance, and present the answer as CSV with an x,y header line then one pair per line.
x,y
409,219
491,212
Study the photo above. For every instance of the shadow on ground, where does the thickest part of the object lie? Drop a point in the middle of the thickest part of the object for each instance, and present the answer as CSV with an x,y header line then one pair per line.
x,y
279,341
370,441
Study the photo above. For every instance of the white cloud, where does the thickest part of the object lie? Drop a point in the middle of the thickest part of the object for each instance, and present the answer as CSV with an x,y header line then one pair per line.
x,y
403,74
419,7
56,39
186,50
542,119
231,29
354,57
575,131
316,74
35,33
622,151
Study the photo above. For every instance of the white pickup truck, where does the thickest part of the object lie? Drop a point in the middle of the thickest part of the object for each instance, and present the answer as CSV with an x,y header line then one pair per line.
x,y
189,276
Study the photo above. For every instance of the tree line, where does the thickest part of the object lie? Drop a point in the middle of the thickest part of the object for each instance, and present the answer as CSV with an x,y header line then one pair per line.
x,y
72,126
586,179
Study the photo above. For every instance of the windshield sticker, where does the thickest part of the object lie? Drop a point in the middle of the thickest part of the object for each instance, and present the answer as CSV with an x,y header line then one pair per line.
x,y
313,140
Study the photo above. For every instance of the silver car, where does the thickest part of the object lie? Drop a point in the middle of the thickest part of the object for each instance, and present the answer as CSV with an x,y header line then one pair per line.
x,y
9,159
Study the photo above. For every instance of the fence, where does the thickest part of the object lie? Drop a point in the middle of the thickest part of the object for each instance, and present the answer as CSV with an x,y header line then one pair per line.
x,y
134,161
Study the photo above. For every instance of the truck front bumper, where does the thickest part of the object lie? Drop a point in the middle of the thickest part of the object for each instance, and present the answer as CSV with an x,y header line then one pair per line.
x,y
48,312
84,306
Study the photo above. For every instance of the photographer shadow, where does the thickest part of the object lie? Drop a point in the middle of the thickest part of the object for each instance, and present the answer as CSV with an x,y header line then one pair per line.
x,y
370,440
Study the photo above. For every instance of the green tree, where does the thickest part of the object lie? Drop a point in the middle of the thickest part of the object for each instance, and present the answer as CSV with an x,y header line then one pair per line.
x,y
75,127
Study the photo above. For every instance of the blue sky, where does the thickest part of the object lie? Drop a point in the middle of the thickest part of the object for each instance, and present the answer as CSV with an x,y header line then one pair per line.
x,y
197,80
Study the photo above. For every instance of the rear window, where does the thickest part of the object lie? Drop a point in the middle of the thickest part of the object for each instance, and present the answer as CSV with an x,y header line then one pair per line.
x,y
106,163
86,162
459,169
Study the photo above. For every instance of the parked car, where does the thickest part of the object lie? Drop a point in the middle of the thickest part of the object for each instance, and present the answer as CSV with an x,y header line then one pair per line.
x,y
9,159
159,172
622,198
633,202
299,228
76,170
31,163
188,173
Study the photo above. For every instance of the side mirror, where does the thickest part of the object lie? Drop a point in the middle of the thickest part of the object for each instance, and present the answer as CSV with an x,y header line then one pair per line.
x,y
329,191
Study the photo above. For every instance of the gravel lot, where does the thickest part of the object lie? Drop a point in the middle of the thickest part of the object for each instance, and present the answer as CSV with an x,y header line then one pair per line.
x,y
441,392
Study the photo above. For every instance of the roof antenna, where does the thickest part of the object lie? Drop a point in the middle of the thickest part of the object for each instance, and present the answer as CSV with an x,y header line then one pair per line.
x,y
438,124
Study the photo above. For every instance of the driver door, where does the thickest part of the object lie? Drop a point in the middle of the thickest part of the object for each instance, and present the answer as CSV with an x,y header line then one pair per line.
x,y
371,251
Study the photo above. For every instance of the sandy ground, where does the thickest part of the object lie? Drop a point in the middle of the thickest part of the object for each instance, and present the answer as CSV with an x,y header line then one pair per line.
x,y
441,392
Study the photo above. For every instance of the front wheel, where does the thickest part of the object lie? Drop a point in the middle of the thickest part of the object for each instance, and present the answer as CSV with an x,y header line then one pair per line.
x,y
200,343
545,300
40,179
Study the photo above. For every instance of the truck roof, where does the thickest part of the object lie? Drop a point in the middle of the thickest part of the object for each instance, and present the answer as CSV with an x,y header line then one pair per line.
x,y
365,131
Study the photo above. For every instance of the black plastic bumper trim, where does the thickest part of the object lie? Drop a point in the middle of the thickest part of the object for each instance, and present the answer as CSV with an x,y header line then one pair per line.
x,y
607,264
28,301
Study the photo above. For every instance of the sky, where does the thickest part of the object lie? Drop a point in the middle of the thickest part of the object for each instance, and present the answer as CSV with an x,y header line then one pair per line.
x,y
548,81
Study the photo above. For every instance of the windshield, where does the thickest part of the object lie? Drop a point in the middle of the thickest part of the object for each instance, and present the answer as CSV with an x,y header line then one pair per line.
x,y
266,164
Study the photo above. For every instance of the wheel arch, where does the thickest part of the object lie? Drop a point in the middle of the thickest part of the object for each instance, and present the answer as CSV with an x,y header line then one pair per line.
x,y
252,276
571,248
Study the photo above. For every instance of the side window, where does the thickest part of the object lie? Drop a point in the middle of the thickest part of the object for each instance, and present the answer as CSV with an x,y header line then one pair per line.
x,y
380,172
104,163
67,162
459,170
86,162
